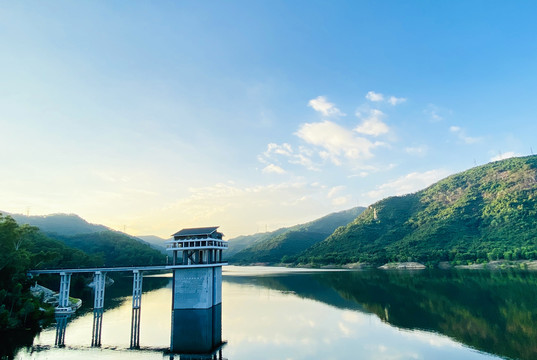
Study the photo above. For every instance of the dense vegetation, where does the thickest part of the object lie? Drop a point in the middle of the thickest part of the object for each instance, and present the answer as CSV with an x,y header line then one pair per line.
x,y
283,244
242,242
25,247
483,214
21,248
115,248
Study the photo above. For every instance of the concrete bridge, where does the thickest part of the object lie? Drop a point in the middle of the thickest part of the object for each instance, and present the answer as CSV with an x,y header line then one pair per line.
x,y
196,265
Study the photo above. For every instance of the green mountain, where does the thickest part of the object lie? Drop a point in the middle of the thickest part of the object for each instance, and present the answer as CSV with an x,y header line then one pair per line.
x,y
282,244
242,242
486,213
155,242
23,247
115,248
62,224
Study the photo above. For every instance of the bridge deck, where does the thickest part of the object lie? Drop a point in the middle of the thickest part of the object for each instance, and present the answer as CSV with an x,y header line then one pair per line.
x,y
122,268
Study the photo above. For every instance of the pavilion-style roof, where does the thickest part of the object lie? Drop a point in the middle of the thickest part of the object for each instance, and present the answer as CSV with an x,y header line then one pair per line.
x,y
196,231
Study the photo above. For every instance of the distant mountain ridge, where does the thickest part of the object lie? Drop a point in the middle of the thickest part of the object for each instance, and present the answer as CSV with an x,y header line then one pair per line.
x,y
72,225
114,247
482,214
278,246
61,224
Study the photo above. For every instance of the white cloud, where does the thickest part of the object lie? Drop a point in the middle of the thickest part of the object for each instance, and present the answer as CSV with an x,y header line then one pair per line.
x,y
373,96
300,157
273,169
373,125
320,104
407,184
461,134
506,155
336,141
396,101
436,113
244,209
378,97
283,149
333,191
417,150
304,160
340,200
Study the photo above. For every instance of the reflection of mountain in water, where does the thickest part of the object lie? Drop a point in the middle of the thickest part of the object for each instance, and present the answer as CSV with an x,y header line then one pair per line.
x,y
493,312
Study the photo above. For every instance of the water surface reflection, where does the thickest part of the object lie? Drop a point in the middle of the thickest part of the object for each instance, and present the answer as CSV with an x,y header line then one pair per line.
x,y
277,313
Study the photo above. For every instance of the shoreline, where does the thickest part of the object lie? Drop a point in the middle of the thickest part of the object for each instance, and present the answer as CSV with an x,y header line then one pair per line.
x,y
530,265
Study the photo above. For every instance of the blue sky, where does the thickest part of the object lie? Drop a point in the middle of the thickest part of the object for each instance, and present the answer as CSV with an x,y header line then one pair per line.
x,y
252,115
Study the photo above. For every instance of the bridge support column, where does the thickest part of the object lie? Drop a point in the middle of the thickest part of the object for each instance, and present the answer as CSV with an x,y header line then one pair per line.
x,y
136,308
99,280
61,324
97,327
63,296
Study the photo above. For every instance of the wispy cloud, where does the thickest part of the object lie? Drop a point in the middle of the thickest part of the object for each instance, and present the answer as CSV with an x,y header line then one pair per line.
x,y
436,113
283,149
273,169
461,134
505,155
334,191
336,198
407,184
378,97
241,208
417,150
373,124
322,105
275,152
396,101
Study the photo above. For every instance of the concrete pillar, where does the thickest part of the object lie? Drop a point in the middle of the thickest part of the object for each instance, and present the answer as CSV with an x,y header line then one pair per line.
x,y
136,308
137,289
197,288
61,325
196,310
65,283
97,327
99,280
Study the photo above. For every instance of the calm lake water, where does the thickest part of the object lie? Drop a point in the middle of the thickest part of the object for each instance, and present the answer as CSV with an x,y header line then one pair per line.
x,y
273,313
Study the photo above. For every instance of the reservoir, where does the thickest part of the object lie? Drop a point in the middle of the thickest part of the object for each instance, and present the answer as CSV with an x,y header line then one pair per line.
x,y
278,313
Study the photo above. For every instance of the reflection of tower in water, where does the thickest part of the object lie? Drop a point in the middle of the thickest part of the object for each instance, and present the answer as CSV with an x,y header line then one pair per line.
x,y
97,327
61,324
135,328
197,293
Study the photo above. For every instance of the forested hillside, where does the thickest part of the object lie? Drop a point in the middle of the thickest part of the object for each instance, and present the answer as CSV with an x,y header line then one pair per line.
x,y
286,243
22,248
242,242
112,247
486,213
115,248
61,224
